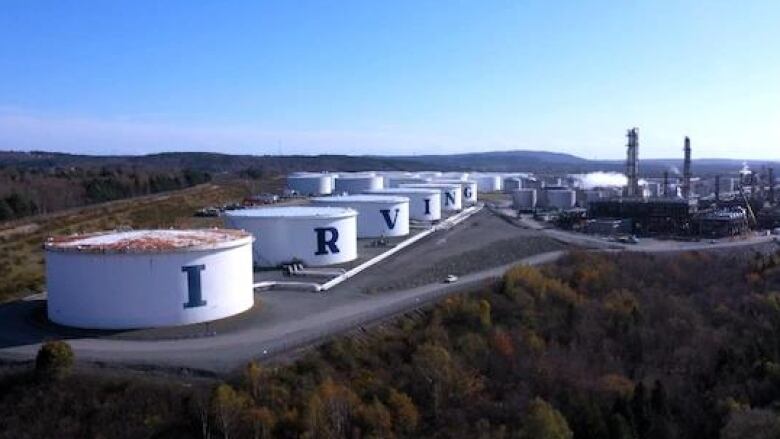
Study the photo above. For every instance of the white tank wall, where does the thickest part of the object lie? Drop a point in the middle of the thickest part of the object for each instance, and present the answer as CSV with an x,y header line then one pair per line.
x,y
560,199
318,184
141,290
371,221
451,195
395,182
424,204
468,189
488,183
282,239
524,198
357,184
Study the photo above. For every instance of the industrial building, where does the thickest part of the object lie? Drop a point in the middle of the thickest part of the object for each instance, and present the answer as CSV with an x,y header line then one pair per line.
x,y
379,216
148,278
315,236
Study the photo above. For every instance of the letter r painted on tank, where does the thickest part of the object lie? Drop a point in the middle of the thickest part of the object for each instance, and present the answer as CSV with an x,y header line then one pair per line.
x,y
324,245
194,292
449,198
386,215
427,206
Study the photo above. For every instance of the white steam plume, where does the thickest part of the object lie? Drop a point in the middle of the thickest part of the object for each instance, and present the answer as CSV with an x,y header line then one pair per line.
x,y
599,179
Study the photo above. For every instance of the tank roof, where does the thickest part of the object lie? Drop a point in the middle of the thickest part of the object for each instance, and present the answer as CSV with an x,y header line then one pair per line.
x,y
403,190
148,241
294,212
364,198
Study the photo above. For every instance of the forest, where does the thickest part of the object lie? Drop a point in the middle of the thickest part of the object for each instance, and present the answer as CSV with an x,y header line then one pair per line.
x,y
25,192
628,346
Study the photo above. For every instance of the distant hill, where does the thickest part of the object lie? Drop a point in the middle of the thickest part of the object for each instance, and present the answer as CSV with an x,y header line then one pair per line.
x,y
499,161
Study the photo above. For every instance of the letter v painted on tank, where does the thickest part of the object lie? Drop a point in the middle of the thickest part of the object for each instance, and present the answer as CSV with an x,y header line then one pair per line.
x,y
323,243
386,215
194,291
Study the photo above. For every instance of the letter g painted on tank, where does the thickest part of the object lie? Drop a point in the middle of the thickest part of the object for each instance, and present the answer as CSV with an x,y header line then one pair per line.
x,y
194,292
467,192
449,198
386,215
324,244
427,206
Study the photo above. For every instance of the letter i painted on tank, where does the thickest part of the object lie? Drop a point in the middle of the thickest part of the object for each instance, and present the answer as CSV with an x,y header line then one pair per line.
x,y
449,198
323,243
194,292
427,206
386,216
467,192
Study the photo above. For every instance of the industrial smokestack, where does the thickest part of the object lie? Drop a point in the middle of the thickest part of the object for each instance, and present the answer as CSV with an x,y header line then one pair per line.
x,y
717,188
632,163
666,184
686,189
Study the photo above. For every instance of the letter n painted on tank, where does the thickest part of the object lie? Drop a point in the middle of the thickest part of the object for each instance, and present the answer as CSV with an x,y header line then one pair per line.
x,y
386,216
427,206
449,198
324,244
194,292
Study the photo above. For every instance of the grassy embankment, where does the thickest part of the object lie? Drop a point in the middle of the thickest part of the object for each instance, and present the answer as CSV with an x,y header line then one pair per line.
x,y
21,254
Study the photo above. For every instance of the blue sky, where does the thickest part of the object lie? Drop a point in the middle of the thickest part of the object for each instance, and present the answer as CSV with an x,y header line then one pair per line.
x,y
395,77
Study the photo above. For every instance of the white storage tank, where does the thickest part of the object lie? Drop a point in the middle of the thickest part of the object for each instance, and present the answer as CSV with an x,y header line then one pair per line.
x,y
560,198
315,236
357,183
395,182
310,184
451,194
524,199
453,176
468,189
488,183
378,215
148,278
424,204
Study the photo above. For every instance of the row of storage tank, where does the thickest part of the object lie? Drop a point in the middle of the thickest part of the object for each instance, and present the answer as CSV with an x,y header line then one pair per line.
x,y
154,278
313,184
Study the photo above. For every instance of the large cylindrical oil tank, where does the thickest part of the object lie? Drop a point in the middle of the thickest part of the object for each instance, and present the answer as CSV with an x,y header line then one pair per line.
x,y
310,184
315,236
560,198
424,204
451,194
524,199
148,278
488,183
357,183
468,189
395,182
378,215
453,176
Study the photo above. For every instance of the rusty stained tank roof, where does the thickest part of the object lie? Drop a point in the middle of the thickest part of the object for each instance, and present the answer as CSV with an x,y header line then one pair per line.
x,y
146,241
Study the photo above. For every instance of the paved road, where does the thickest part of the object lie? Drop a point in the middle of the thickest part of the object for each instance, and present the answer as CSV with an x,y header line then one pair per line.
x,y
222,353
291,319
